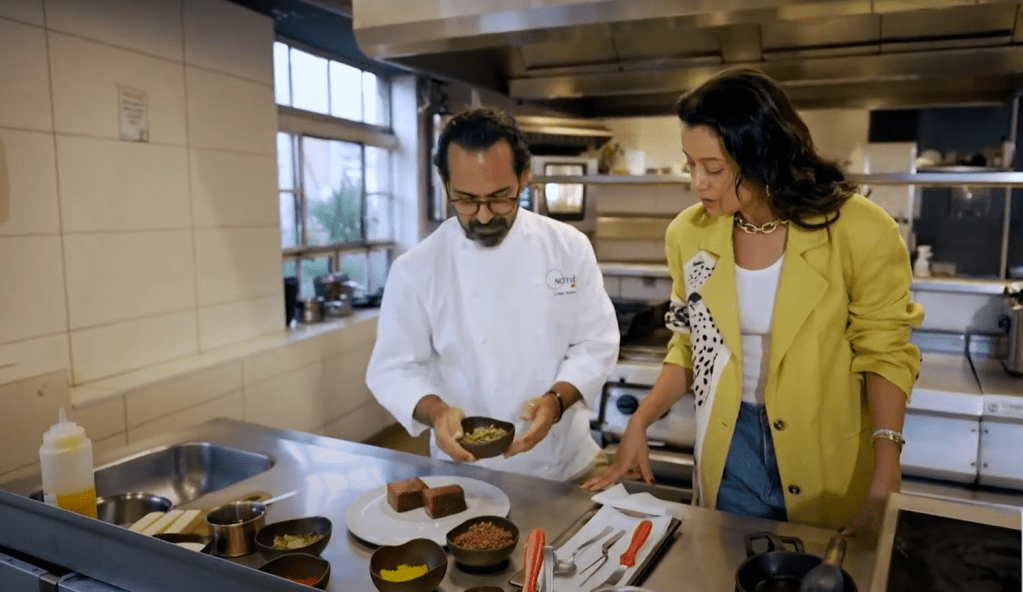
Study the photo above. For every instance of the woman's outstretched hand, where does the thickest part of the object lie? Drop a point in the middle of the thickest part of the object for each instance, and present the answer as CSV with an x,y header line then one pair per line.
x,y
633,456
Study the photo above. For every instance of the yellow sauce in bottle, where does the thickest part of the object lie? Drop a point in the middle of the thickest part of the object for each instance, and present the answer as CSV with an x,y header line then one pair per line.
x,y
82,502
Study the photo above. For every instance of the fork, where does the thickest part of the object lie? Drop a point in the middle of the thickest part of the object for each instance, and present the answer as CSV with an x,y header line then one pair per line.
x,y
599,561
628,558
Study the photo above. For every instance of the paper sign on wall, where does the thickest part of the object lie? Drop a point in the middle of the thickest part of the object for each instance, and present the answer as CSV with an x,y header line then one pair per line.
x,y
133,106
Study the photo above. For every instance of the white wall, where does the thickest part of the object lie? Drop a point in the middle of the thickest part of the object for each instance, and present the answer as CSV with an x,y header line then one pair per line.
x,y
120,257
838,134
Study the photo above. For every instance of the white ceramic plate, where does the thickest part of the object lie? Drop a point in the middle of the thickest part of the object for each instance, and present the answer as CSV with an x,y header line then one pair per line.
x,y
373,520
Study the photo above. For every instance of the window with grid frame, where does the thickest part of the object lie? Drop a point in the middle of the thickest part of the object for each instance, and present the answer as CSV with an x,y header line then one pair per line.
x,y
335,153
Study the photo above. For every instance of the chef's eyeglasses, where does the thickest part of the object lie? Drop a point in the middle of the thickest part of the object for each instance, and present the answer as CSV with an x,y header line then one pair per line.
x,y
500,206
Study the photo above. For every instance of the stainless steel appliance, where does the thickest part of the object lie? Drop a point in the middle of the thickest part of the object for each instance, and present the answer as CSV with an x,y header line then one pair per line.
x,y
568,202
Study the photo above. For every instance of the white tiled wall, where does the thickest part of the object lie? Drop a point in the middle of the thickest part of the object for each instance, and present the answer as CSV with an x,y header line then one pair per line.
x,y
32,290
128,275
109,185
658,138
244,53
25,93
148,26
233,189
26,11
31,170
222,324
229,113
85,78
124,262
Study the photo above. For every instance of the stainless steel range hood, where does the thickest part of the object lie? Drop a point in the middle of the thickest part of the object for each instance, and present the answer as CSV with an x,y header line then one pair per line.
x,y
633,57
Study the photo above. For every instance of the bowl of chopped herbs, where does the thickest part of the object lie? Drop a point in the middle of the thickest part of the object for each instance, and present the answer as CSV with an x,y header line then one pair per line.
x,y
299,535
486,437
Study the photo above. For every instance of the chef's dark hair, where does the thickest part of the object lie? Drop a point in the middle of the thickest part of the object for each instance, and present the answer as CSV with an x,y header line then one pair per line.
x,y
480,128
764,135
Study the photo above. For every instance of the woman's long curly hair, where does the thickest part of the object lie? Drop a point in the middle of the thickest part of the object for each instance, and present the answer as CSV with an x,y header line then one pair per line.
x,y
765,136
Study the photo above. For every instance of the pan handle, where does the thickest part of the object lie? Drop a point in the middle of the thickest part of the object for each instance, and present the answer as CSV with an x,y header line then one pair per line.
x,y
774,543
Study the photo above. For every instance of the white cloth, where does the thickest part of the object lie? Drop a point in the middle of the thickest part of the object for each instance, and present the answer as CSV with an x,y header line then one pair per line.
x,y
756,290
618,497
486,329
586,581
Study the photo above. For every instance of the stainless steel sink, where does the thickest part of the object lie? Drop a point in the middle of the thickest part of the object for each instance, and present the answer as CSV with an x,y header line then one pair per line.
x,y
179,472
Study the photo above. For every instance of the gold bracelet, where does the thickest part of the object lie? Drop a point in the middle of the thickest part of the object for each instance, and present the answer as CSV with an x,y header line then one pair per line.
x,y
561,404
890,435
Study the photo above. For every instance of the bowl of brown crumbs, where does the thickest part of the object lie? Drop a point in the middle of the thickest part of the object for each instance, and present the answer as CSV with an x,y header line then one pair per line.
x,y
483,541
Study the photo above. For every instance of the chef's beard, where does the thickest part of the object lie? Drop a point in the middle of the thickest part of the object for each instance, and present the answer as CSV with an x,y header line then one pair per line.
x,y
487,235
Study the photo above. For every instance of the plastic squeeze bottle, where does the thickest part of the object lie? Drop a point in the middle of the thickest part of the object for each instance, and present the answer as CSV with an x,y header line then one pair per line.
x,y
65,459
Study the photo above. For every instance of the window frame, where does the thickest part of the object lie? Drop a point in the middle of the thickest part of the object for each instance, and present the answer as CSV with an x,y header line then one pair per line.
x,y
299,123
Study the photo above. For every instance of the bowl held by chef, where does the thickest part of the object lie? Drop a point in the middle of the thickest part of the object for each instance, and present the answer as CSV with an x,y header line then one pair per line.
x,y
500,312
791,315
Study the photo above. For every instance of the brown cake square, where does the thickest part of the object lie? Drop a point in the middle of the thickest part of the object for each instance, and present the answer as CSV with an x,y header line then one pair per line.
x,y
444,501
406,495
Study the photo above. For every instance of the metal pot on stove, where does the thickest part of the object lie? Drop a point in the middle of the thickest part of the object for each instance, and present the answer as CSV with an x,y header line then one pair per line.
x,y
778,569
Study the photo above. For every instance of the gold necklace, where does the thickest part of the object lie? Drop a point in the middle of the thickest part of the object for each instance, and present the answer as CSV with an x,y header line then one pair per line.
x,y
766,228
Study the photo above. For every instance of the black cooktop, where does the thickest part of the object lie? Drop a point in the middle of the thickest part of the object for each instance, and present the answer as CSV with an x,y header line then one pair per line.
x,y
643,334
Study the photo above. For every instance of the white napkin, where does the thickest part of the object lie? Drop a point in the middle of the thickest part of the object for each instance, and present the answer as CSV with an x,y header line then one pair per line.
x,y
644,503
607,515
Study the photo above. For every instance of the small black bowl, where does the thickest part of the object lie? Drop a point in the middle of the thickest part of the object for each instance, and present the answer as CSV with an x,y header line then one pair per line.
x,y
317,525
298,567
490,448
415,552
482,557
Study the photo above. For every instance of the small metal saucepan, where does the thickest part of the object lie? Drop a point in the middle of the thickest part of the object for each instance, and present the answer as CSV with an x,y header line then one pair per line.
x,y
234,525
778,569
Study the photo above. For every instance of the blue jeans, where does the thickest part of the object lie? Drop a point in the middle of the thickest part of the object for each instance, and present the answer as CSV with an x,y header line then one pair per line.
x,y
750,484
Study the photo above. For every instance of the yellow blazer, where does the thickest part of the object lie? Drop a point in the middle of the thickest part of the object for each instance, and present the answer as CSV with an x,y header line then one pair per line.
x,y
842,308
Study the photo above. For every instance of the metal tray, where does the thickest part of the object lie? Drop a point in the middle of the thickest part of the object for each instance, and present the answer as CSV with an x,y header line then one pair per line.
x,y
638,575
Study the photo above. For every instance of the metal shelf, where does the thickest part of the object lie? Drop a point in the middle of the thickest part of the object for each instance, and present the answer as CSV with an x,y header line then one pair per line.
x,y
613,179
943,179
926,179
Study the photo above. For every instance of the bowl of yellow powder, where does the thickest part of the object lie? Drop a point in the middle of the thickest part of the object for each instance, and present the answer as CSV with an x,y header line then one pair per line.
x,y
416,566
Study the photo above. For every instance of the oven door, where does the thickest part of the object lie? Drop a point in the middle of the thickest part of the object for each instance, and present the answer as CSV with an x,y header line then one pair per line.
x,y
673,474
670,440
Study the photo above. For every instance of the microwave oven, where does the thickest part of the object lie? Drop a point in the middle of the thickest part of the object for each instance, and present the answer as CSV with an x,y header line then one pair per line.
x,y
572,203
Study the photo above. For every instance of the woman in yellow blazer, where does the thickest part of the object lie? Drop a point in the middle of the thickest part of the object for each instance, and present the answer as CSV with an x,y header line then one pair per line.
x,y
792,316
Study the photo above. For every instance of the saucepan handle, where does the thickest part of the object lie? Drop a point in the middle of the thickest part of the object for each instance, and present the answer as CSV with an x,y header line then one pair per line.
x,y
774,543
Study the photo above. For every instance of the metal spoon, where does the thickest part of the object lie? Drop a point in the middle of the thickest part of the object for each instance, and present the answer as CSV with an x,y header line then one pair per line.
x,y
563,567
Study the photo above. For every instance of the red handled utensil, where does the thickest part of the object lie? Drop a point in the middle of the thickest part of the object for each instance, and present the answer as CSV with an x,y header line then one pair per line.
x,y
628,558
533,559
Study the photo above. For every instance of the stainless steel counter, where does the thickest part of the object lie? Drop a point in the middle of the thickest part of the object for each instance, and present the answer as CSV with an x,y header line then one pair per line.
x,y
635,269
330,474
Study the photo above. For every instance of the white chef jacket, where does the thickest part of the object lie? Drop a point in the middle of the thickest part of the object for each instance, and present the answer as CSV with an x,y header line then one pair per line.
x,y
487,329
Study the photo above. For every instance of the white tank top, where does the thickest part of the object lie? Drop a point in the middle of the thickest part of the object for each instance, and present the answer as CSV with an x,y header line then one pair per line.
x,y
756,290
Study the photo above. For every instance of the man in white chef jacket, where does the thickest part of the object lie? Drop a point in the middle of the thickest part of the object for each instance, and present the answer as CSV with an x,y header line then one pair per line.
x,y
500,312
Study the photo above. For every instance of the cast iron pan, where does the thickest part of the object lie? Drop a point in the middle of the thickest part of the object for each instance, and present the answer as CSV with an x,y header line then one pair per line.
x,y
777,569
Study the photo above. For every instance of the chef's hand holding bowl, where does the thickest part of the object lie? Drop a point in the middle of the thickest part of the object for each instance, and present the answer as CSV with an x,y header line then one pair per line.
x,y
543,412
446,422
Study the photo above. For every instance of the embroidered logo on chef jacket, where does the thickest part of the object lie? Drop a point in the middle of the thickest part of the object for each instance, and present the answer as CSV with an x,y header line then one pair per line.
x,y
560,282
